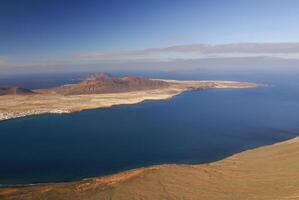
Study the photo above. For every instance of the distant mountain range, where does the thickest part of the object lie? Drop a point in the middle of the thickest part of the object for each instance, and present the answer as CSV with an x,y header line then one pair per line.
x,y
98,83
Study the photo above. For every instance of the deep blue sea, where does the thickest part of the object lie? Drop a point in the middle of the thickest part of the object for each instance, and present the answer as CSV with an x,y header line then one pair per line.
x,y
195,127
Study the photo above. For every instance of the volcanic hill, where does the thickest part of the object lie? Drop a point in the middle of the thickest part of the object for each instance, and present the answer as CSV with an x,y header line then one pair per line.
x,y
101,83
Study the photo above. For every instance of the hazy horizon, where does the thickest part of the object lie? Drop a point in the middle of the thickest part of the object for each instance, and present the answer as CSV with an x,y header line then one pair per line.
x,y
69,36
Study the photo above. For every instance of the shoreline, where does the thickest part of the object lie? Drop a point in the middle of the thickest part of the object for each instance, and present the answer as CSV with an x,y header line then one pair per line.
x,y
102,107
143,168
125,177
18,106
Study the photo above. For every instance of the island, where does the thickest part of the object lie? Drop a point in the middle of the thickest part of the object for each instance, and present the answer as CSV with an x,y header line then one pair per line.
x,y
270,172
98,91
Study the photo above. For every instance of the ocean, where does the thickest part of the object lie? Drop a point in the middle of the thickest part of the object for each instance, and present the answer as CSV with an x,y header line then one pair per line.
x,y
194,127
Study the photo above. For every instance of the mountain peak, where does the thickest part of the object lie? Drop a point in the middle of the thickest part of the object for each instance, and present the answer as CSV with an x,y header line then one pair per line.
x,y
104,83
99,76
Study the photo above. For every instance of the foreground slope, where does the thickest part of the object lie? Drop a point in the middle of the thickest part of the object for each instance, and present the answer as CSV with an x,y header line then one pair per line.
x,y
270,172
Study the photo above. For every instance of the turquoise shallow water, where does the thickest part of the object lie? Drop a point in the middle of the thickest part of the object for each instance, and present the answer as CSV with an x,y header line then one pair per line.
x,y
195,127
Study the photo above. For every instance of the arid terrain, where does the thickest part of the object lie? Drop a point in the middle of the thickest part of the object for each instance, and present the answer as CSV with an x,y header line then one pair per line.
x,y
98,91
15,91
270,172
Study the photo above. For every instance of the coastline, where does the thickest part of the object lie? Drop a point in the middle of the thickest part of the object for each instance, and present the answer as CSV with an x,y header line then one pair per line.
x,y
247,174
16,106
101,187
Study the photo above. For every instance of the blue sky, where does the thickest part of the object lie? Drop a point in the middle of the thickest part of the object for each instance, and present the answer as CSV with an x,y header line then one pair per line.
x,y
57,31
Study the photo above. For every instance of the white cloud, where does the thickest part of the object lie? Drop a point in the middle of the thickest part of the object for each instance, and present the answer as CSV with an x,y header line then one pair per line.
x,y
195,51
147,57
3,61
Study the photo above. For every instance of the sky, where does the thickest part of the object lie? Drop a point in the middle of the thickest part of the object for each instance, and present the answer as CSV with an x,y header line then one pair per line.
x,y
40,35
